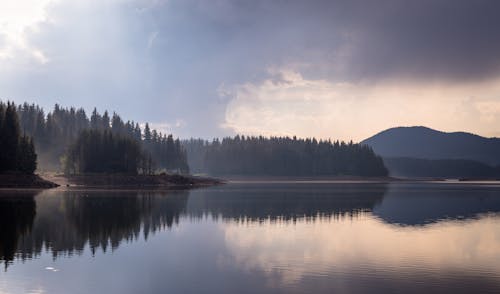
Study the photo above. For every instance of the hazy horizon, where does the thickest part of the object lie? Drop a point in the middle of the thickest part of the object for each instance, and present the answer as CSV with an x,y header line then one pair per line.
x,y
328,69
370,163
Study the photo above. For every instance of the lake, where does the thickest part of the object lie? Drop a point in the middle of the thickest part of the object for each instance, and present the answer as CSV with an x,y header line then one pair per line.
x,y
259,237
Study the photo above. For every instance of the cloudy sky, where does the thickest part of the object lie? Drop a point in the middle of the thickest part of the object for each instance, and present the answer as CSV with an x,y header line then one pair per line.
x,y
325,68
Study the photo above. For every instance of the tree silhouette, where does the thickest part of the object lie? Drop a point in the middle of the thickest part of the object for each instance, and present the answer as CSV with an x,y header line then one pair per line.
x,y
283,156
97,151
55,132
17,153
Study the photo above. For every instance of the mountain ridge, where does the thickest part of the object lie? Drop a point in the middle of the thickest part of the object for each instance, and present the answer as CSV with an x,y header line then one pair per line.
x,y
426,143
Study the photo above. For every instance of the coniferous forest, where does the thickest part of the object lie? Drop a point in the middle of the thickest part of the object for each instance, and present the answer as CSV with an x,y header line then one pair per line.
x,y
284,156
67,139
17,151
96,151
64,140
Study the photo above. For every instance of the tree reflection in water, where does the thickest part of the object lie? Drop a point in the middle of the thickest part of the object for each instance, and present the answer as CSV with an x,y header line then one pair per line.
x,y
66,222
17,211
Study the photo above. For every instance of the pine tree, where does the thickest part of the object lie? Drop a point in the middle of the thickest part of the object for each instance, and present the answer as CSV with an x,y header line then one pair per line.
x,y
10,137
26,156
147,134
95,119
117,125
105,122
3,143
137,132
17,154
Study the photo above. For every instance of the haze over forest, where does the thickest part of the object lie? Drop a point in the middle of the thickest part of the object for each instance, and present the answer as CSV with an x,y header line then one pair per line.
x,y
68,140
250,146
324,69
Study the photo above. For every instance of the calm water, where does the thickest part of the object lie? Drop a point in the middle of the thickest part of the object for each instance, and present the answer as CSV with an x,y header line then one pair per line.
x,y
254,238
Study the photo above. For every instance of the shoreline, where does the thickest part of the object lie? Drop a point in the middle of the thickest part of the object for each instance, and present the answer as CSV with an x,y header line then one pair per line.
x,y
349,179
132,182
310,179
181,182
21,181
104,181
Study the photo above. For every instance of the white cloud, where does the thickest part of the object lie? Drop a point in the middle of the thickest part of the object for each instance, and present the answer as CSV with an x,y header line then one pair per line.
x,y
17,19
164,127
288,104
96,53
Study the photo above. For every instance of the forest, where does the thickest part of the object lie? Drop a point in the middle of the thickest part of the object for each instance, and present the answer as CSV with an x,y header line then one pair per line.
x,y
96,151
55,133
282,156
17,151
66,139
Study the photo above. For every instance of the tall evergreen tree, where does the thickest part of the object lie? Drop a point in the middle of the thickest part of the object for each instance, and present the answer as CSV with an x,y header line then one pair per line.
x,y
147,134
95,119
105,121
10,137
17,154
26,157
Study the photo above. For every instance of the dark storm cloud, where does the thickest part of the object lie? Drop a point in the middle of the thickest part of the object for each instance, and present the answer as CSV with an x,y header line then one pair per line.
x,y
426,39
164,61
351,39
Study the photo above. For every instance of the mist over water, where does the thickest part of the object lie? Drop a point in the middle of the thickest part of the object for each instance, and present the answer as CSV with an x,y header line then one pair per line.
x,y
254,238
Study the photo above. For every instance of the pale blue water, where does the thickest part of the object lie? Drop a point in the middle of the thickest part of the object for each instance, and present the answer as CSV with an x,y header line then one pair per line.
x,y
296,237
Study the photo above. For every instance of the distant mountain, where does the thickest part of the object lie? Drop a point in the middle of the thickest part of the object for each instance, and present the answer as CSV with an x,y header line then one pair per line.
x,y
426,143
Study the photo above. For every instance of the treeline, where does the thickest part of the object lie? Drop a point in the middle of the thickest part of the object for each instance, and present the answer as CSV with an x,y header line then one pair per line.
x,y
68,139
284,156
17,151
55,132
97,151
440,168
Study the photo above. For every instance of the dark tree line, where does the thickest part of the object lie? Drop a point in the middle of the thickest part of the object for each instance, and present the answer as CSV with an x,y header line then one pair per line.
x,y
17,151
440,168
285,156
166,152
96,151
56,131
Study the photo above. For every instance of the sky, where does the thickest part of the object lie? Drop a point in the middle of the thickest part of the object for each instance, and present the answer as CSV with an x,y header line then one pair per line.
x,y
325,68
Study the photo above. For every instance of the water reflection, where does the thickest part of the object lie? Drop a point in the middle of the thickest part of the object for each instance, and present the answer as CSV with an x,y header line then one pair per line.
x,y
420,204
65,222
285,201
254,238
368,249
17,211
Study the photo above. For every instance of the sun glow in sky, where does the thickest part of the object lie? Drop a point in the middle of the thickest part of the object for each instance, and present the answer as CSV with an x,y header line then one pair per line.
x,y
17,19
328,69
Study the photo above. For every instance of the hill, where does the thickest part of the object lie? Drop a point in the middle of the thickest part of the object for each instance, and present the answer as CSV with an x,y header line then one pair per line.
x,y
425,143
